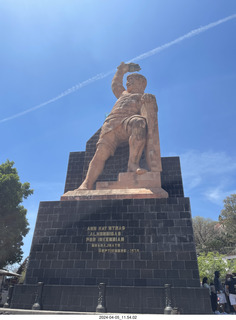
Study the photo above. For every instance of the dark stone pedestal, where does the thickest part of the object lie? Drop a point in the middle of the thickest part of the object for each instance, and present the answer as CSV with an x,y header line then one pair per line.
x,y
135,246
132,242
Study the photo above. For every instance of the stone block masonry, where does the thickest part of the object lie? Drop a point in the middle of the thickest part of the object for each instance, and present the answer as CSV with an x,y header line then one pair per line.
x,y
135,246
134,242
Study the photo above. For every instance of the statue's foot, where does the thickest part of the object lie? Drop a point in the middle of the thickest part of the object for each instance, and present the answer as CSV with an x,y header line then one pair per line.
x,y
136,169
84,186
140,171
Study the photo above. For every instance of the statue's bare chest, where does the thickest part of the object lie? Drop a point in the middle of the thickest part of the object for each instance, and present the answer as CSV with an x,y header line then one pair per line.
x,y
132,101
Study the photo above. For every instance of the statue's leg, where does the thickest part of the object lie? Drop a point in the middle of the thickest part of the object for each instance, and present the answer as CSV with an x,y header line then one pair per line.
x,y
137,141
152,151
95,167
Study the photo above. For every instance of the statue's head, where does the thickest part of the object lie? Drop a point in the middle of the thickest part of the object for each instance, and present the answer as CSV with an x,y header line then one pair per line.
x,y
136,83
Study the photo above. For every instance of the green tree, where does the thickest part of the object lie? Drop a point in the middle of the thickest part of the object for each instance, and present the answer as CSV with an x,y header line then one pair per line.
x,y
208,236
13,222
212,261
227,219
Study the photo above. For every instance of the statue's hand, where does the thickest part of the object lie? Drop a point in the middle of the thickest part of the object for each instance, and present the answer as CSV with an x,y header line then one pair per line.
x,y
128,67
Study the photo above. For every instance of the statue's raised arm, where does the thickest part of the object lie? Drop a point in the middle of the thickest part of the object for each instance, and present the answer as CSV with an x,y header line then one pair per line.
x,y
117,81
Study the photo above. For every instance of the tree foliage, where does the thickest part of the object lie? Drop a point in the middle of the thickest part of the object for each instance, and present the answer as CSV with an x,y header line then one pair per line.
x,y
212,261
208,236
216,239
14,225
227,219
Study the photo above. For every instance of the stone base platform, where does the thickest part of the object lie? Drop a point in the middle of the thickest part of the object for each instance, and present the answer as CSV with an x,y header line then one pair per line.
x,y
107,194
135,246
129,186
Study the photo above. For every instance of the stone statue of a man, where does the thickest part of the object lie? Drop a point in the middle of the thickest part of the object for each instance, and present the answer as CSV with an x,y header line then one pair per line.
x,y
132,119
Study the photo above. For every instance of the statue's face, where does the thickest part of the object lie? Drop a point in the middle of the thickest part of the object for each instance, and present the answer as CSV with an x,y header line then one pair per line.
x,y
135,84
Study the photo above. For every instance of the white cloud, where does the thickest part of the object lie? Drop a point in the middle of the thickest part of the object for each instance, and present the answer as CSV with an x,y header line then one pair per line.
x,y
198,166
209,162
211,174
218,194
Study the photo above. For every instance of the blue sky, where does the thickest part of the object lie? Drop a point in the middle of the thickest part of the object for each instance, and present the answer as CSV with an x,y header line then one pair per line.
x,y
48,47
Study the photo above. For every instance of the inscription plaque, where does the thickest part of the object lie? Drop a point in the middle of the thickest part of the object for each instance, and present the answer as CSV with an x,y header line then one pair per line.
x,y
108,239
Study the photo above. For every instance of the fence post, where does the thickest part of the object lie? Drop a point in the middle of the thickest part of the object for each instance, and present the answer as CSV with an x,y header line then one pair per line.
x,y
38,298
168,309
101,307
9,297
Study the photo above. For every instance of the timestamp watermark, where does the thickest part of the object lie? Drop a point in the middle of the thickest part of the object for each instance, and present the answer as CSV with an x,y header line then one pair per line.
x,y
118,317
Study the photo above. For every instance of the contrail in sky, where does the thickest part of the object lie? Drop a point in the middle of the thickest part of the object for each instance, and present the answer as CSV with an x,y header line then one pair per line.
x,y
138,58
